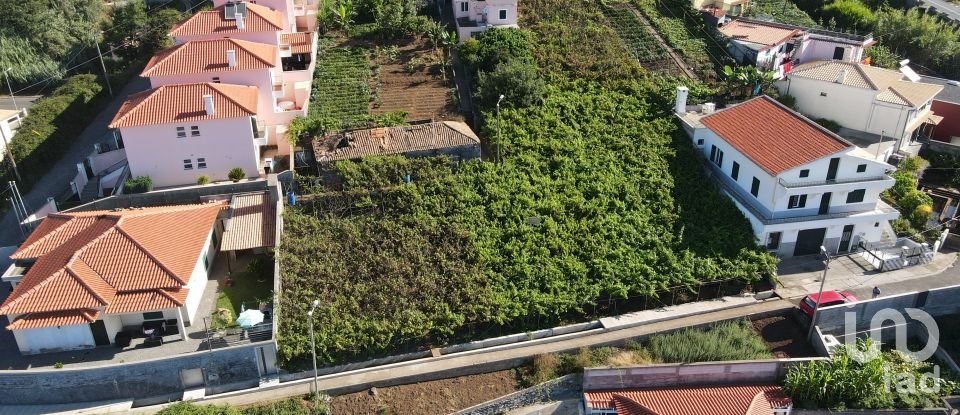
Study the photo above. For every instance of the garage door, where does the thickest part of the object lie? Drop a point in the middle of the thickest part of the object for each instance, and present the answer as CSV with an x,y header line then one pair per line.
x,y
809,241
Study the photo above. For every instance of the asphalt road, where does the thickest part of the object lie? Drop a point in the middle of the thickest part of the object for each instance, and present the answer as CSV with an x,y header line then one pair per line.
x,y
23,101
945,6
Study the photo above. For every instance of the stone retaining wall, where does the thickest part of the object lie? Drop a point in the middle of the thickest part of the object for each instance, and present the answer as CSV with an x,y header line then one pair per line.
x,y
564,387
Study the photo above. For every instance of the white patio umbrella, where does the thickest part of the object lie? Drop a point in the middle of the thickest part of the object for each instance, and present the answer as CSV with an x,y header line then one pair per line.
x,y
249,318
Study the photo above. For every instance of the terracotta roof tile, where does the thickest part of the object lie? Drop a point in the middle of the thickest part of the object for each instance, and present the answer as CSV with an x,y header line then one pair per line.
x,y
184,102
201,56
259,19
126,260
772,136
300,42
691,400
53,319
757,32
252,223
394,140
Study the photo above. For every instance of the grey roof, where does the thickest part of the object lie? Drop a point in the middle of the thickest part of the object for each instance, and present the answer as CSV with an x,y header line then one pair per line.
x,y
355,144
950,93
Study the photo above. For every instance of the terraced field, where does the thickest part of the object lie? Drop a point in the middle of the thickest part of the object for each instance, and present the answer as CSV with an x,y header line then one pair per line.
x,y
412,83
341,89
642,44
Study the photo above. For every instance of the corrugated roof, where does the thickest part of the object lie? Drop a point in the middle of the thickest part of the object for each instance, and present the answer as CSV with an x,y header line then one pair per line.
x,y
691,400
53,319
258,19
252,223
184,102
393,140
200,56
757,32
890,84
300,42
774,137
125,261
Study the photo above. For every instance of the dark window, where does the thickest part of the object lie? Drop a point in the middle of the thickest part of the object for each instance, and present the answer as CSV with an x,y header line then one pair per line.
x,y
735,172
773,240
181,132
755,187
719,160
838,53
194,131
713,153
856,196
187,164
153,315
464,7
861,168
823,94
805,173
503,14
700,142
797,201
201,163
216,79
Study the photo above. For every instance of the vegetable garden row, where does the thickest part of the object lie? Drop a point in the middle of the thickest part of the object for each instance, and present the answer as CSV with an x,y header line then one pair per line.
x,y
341,90
638,39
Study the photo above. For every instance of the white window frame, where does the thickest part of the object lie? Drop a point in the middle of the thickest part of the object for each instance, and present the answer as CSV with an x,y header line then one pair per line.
x,y
464,7
201,163
181,132
194,131
187,164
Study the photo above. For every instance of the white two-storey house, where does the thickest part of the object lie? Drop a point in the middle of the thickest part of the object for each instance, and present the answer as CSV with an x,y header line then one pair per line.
x,y
476,16
863,98
800,186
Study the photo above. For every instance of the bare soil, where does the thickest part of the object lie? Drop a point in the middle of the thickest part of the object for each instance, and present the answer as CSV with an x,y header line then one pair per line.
x,y
434,397
784,336
413,83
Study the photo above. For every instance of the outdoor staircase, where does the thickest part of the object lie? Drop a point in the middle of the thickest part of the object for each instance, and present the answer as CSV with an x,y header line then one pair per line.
x,y
91,191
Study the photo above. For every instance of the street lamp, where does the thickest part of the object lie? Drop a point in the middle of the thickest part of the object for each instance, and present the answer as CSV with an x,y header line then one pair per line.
x,y
823,280
313,350
499,143
6,143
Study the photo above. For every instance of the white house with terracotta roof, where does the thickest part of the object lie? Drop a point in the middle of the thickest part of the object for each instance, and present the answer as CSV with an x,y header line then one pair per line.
x,y
476,16
863,98
176,133
235,62
80,278
798,184
760,399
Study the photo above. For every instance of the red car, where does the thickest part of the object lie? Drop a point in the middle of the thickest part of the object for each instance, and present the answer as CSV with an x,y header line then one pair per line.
x,y
829,298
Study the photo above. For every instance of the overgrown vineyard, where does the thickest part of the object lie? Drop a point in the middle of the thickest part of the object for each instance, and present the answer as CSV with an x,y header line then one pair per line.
x,y
638,39
342,92
683,28
599,205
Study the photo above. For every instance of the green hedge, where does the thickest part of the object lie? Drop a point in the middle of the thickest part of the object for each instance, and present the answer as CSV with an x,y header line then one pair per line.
x,y
51,126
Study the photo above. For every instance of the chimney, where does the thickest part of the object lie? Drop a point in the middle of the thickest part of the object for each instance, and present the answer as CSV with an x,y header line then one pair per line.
x,y
842,77
239,20
231,58
708,108
208,104
680,106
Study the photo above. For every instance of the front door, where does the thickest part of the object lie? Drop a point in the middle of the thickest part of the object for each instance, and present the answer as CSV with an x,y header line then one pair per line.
x,y
845,238
824,204
832,169
100,337
809,241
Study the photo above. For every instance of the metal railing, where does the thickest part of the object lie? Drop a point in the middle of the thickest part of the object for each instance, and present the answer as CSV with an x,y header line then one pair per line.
x,y
812,183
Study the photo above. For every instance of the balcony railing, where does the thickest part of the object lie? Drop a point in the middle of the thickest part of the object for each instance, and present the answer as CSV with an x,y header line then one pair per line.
x,y
813,183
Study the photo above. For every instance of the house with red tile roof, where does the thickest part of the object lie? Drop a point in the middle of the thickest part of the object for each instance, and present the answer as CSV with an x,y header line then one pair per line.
x,y
176,133
763,399
800,185
82,277
298,15
893,104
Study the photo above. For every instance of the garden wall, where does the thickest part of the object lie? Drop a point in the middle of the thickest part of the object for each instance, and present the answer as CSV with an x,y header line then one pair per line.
x,y
646,376
564,387
146,382
936,302
178,196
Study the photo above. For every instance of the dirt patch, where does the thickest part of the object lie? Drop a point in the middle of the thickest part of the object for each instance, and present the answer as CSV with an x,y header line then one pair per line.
x,y
434,397
784,336
411,80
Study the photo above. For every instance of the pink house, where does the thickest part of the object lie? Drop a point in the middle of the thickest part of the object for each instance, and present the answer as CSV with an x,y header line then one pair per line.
x,y
177,133
299,15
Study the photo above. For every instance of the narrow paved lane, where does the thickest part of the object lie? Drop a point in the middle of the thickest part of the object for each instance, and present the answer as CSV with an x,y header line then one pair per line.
x,y
945,6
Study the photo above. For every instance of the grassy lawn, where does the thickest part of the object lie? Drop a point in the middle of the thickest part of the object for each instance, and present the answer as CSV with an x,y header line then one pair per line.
x,y
245,287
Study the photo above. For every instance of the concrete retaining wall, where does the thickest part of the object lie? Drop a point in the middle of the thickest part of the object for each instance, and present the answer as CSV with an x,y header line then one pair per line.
x,y
147,382
936,302
869,411
564,387
175,196
647,376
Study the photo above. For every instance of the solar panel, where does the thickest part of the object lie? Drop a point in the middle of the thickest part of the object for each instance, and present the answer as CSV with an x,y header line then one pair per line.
x,y
909,73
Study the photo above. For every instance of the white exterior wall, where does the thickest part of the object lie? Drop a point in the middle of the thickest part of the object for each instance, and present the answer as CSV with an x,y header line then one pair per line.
x,y
271,38
198,280
475,12
156,151
748,169
50,339
822,50
136,319
114,324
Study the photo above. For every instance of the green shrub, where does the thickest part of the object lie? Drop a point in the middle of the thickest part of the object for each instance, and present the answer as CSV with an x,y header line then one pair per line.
x,y
202,180
831,125
849,14
51,126
725,341
139,184
236,174
518,81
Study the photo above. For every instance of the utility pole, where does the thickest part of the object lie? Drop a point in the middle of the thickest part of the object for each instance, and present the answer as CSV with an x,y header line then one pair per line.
x,y
879,145
823,280
106,79
499,139
6,143
313,350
